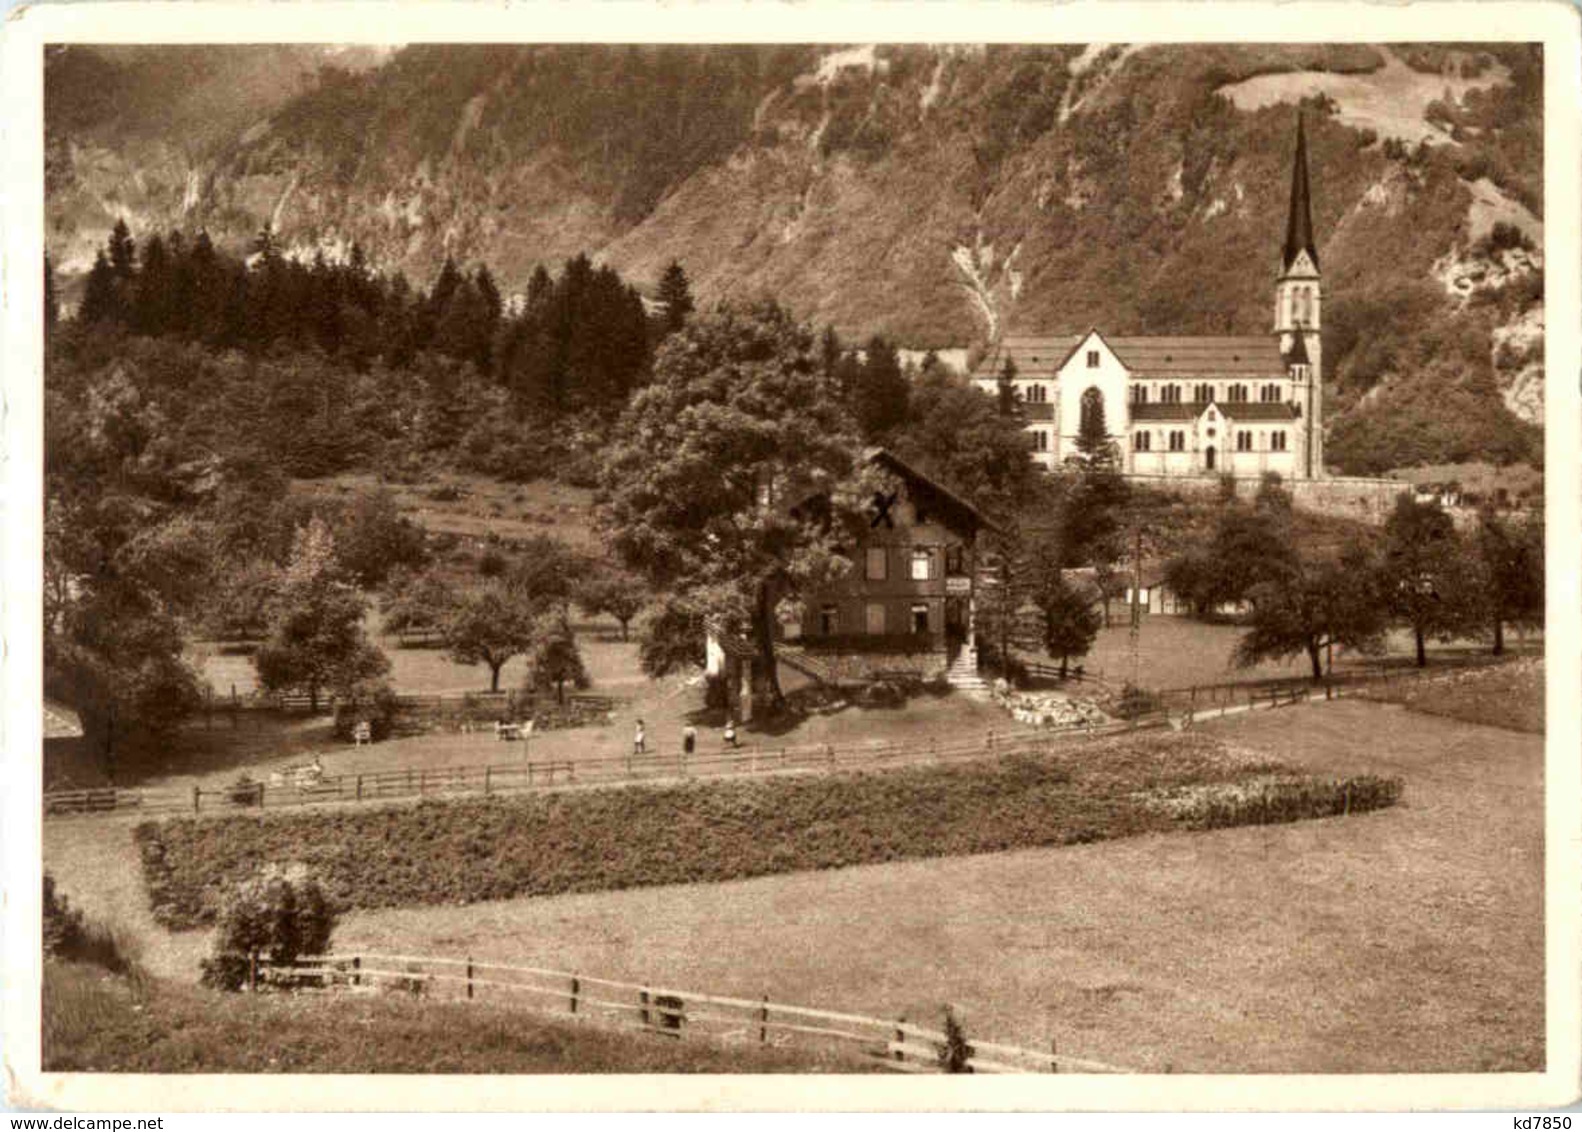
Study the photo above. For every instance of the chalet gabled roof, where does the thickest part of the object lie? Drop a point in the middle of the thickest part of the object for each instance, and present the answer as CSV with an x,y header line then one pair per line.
x,y
956,510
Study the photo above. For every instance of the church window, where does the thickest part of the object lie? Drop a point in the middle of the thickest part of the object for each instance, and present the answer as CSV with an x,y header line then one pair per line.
x,y
1093,359
1204,392
1177,441
1037,393
1142,441
1040,440
1277,440
1236,393
1243,441
1092,408
878,564
922,564
1139,395
1171,394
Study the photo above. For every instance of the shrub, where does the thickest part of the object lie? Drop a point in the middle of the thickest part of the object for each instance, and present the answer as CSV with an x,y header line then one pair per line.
x,y
273,918
1136,702
955,1053
374,701
245,792
67,935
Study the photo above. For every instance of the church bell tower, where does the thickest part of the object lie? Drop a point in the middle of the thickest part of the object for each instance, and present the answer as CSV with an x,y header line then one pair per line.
x,y
1297,305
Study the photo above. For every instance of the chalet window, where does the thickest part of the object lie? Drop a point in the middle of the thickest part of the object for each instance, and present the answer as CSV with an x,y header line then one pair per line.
x,y
829,620
954,560
875,618
920,618
1178,441
878,563
1093,359
1040,440
1277,440
922,565
1142,441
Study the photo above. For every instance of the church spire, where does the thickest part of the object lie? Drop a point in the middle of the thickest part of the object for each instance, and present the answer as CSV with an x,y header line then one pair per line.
x,y
1299,227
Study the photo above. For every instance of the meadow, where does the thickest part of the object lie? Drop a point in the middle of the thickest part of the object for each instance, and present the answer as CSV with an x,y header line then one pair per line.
x,y
94,1024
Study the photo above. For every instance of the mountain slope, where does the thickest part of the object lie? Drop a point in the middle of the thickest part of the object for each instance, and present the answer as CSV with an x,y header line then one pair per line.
x,y
942,195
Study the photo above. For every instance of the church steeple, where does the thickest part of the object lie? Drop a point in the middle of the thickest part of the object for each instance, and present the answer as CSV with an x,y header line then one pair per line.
x,y
1299,225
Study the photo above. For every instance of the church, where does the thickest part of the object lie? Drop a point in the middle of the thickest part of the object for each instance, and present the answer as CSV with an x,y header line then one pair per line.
x,y
1180,406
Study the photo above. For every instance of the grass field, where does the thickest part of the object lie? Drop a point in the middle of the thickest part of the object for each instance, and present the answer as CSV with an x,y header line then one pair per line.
x,y
102,1025
1405,940
480,505
1509,695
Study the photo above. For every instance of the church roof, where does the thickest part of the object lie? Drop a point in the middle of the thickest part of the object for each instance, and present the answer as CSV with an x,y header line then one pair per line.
x,y
1041,356
1299,224
1232,411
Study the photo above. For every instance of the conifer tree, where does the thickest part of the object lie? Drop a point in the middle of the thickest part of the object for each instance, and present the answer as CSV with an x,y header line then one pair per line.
x,y
675,293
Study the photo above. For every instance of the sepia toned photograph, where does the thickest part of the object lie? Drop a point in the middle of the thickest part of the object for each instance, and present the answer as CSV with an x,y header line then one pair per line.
x,y
794,558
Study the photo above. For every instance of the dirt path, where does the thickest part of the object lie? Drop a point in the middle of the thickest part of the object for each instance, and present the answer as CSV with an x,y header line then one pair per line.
x,y
95,864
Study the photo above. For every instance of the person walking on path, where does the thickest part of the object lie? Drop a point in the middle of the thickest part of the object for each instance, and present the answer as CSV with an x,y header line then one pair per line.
x,y
730,733
640,740
689,739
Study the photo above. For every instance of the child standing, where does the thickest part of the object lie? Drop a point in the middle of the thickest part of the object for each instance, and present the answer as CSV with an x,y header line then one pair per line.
x,y
640,740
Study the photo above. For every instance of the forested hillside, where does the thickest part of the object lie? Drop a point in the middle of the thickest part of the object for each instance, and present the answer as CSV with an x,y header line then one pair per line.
x,y
940,196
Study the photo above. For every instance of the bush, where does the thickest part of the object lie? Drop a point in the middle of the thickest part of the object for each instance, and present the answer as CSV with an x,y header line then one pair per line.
x,y
68,936
375,702
955,1053
1136,702
271,918
244,791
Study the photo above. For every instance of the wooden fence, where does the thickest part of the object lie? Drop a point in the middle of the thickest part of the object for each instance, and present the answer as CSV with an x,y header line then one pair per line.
x,y
302,788
897,1043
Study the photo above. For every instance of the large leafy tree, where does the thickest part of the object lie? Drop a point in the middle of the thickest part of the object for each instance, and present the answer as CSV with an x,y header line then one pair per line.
x,y
491,624
1312,602
699,491
316,639
614,592
554,660
1430,577
1510,554
954,433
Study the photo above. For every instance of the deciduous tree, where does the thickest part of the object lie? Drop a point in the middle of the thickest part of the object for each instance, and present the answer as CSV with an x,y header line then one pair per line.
x,y
316,638
699,491
1313,603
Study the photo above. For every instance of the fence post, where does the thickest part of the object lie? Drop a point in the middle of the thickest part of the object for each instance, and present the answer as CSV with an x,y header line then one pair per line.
x,y
260,795
900,1038
357,967
194,797
763,1022
359,788
576,989
469,978
487,771
642,1006
1054,1056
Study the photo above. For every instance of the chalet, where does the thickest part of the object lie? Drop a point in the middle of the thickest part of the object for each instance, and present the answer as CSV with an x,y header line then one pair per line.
x,y
906,605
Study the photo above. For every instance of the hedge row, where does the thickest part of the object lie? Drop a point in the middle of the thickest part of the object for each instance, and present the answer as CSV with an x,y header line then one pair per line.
x,y
582,841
